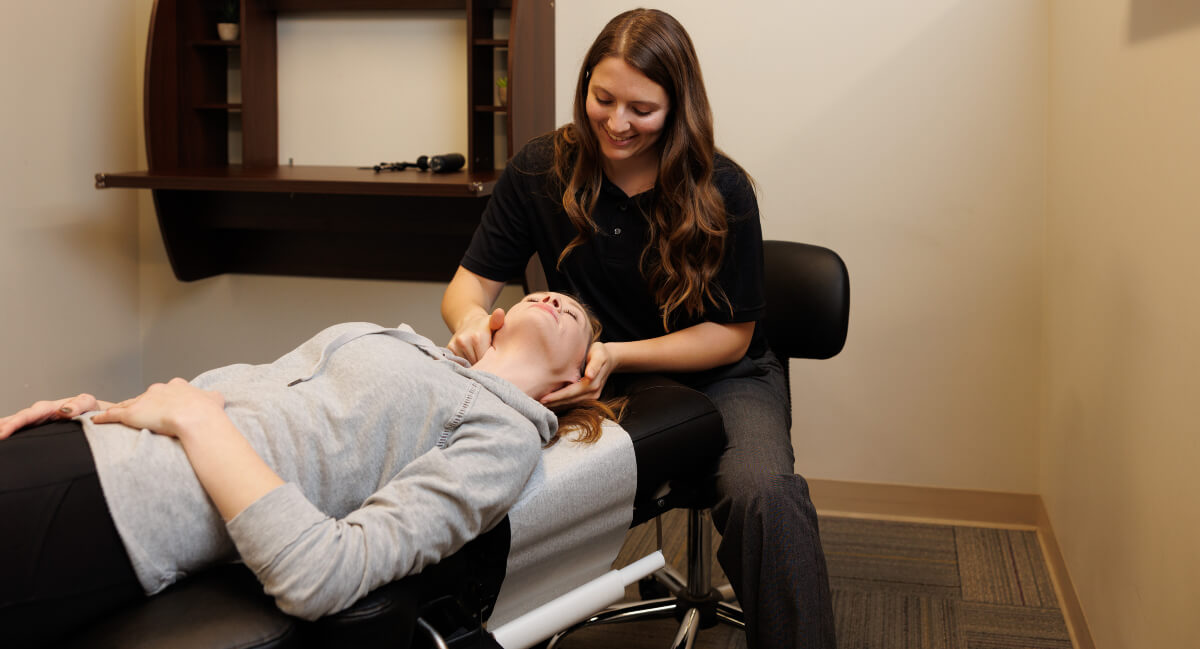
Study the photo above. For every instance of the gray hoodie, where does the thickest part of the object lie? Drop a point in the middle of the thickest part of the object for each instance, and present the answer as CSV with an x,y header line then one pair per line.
x,y
394,455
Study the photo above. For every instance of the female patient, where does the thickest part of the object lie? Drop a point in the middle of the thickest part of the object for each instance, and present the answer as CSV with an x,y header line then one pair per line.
x,y
361,456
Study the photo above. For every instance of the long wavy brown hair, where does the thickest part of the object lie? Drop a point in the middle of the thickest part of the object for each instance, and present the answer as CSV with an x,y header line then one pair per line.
x,y
587,417
687,223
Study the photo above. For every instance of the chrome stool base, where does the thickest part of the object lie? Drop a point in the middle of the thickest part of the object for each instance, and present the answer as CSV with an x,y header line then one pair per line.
x,y
695,603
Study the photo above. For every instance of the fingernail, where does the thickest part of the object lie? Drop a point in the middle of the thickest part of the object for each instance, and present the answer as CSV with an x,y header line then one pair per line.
x,y
66,410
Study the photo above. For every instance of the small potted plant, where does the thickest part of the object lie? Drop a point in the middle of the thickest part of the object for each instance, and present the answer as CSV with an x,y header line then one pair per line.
x,y
502,90
227,20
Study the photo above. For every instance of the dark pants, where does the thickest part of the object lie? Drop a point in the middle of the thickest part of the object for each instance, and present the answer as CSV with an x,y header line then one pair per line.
x,y
770,547
62,564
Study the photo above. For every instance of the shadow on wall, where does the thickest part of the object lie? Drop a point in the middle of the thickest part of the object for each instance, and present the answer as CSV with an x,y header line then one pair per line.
x,y
1150,19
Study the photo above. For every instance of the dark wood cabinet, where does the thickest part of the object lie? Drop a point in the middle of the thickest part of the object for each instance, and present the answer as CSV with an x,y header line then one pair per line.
x,y
260,217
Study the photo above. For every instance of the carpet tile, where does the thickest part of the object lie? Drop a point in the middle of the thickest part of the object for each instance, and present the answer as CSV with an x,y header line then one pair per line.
x,y
992,626
866,619
892,555
1003,567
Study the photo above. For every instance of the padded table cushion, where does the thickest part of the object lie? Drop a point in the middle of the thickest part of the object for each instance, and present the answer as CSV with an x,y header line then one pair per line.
x,y
677,438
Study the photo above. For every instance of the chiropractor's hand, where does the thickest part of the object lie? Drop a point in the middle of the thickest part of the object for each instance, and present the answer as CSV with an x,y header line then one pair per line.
x,y
600,364
172,409
474,337
44,411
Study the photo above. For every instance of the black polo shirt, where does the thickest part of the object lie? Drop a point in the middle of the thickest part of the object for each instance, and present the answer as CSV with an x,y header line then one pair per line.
x,y
525,215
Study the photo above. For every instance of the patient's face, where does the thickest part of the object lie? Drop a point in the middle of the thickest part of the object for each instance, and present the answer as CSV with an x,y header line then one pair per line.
x,y
558,324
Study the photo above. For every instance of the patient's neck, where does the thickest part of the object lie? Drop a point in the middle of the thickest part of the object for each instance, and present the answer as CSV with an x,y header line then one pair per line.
x,y
530,377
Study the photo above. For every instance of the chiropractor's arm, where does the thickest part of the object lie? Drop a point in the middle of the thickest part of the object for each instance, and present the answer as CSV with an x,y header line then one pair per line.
x,y
229,469
699,347
467,310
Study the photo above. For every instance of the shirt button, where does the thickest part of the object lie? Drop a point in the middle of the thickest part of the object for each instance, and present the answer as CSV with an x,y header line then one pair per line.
x,y
616,230
623,206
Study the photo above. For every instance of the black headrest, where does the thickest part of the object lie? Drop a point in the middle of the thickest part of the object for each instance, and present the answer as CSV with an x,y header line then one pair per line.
x,y
808,300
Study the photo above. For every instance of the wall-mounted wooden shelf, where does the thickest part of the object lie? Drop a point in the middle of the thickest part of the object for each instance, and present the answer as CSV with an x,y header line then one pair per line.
x,y
260,217
309,180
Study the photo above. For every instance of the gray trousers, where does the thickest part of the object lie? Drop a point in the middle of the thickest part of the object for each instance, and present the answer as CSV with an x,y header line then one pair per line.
x,y
770,546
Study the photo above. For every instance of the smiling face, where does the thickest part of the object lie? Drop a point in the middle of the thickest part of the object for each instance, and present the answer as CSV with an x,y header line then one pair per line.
x,y
558,325
627,112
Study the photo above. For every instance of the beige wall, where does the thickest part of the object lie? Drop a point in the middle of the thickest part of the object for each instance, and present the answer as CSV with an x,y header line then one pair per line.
x,y
68,253
1121,438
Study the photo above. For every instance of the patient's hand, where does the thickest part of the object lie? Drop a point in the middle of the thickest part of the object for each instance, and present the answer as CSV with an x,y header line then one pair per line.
x,y
475,336
44,411
172,409
230,470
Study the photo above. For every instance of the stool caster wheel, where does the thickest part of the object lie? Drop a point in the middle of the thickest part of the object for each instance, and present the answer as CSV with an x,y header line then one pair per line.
x,y
650,588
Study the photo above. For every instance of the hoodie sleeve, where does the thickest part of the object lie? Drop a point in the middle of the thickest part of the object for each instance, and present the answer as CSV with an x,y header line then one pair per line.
x,y
314,565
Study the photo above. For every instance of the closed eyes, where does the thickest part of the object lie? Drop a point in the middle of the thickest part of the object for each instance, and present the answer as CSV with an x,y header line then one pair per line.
x,y
569,310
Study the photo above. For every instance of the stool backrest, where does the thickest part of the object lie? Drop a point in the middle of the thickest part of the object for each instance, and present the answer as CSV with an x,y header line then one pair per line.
x,y
808,300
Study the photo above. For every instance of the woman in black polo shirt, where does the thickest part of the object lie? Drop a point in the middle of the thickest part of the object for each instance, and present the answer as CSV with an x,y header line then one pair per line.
x,y
632,208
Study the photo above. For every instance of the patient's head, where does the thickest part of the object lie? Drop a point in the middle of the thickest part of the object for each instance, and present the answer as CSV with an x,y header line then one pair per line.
x,y
541,345
553,328
584,420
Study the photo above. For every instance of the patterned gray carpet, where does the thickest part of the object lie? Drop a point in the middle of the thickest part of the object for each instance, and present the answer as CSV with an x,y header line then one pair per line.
x,y
900,585
896,585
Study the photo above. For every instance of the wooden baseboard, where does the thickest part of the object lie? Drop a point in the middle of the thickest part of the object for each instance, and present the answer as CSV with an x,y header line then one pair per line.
x,y
1076,623
964,507
987,508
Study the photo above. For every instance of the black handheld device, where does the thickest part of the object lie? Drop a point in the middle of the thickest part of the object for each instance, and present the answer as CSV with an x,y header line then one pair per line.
x,y
438,164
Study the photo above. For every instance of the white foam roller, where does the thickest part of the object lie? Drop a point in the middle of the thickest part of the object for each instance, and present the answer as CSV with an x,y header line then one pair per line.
x,y
576,605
